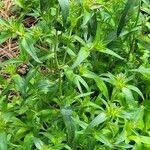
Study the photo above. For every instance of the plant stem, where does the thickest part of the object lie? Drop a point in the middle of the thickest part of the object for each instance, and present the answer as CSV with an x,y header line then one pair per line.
x,y
57,64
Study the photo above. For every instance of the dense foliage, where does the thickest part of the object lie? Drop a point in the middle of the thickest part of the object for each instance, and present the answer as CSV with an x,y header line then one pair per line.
x,y
81,78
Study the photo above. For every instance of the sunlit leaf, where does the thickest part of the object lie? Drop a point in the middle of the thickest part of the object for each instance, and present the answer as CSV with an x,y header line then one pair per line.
x,y
102,117
3,140
129,96
134,88
82,55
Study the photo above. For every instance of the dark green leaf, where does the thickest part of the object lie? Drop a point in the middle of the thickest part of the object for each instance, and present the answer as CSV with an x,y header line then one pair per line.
x,y
122,21
64,4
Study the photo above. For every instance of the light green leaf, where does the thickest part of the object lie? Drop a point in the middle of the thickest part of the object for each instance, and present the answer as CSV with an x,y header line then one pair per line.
x,y
4,36
84,95
11,61
145,140
134,88
104,139
110,52
82,55
140,139
65,6
142,70
28,141
145,44
82,81
77,38
99,82
147,2
102,117
129,97
39,144
3,22
69,123
3,141
77,83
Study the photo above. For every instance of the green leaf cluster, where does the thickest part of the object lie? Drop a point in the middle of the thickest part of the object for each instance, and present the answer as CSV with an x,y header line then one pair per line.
x,y
87,85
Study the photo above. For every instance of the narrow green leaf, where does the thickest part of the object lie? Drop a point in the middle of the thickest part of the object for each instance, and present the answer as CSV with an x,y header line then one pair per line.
x,y
38,143
82,55
122,21
147,2
77,83
104,139
99,82
31,74
146,45
45,5
64,4
142,70
11,61
83,95
28,46
131,87
28,141
102,117
77,38
69,123
3,140
82,81
129,97
4,36
140,139
3,22
145,140
20,84
110,52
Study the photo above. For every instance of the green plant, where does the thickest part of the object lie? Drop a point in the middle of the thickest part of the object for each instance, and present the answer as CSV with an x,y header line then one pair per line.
x,y
86,83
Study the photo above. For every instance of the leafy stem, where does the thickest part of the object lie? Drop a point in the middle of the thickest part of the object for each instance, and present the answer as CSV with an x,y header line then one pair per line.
x,y
57,64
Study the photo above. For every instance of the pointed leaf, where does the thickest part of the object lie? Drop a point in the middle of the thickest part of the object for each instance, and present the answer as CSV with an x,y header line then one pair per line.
x,y
99,82
134,88
82,55
122,21
4,36
3,140
110,52
64,4
28,46
142,70
69,123
102,117
129,97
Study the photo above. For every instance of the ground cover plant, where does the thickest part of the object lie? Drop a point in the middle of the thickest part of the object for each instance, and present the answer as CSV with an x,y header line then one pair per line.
x,y
74,75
